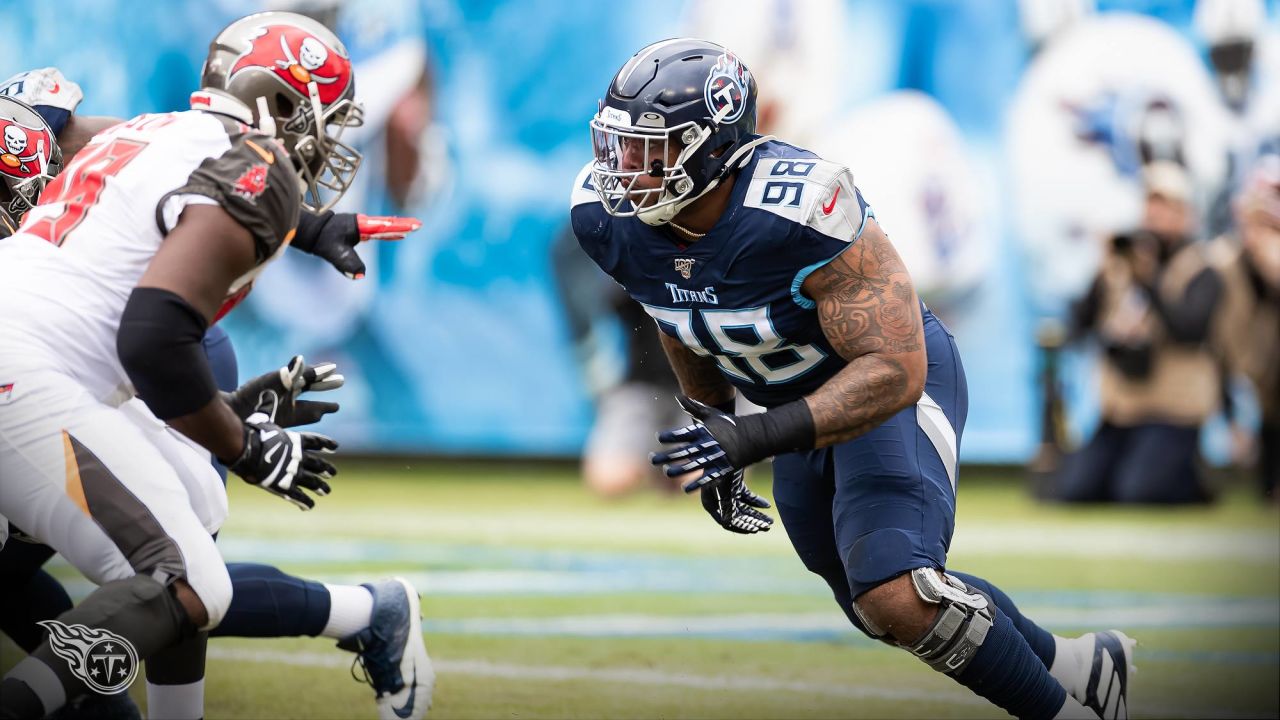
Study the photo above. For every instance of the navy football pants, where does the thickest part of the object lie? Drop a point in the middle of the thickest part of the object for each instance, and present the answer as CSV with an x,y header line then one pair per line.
x,y
864,511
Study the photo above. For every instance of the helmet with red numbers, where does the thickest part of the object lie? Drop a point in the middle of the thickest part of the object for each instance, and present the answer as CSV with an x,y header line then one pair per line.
x,y
289,76
29,159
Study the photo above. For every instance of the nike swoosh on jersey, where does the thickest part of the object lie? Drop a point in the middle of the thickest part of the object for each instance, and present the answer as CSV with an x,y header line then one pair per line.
x,y
826,209
406,709
266,155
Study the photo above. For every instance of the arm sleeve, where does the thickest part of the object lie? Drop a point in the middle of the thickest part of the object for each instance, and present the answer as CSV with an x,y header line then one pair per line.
x,y
254,182
1187,320
158,344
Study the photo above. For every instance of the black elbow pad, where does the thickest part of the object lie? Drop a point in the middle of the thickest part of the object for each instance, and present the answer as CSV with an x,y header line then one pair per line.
x,y
159,344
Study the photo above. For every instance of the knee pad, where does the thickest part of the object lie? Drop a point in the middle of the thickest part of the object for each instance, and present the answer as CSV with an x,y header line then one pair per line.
x,y
963,621
880,555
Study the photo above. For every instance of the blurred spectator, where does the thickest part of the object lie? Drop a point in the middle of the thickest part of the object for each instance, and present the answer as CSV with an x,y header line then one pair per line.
x,y
1151,306
1248,338
1245,58
1231,29
1043,20
634,396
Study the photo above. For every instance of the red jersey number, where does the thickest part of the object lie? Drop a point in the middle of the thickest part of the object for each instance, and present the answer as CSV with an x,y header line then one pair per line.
x,y
80,187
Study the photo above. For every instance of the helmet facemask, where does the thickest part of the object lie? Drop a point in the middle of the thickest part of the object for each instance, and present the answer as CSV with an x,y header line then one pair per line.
x,y
611,139
17,197
325,164
617,187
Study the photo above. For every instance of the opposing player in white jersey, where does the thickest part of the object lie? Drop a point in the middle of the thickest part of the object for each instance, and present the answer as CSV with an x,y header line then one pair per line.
x,y
156,228
378,620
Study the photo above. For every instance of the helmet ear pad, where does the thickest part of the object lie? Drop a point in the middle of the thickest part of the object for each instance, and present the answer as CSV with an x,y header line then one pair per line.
x,y
706,169
711,164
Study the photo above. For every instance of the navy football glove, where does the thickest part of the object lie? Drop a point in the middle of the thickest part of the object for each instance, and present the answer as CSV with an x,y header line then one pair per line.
x,y
288,383
725,495
732,504
710,444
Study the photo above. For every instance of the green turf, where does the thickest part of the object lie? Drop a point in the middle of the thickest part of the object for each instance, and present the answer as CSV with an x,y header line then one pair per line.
x,y
451,525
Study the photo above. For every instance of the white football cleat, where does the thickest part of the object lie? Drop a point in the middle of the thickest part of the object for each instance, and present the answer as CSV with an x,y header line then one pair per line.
x,y
1105,687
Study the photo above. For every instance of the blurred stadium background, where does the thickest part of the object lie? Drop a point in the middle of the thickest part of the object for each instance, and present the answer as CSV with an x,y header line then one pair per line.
x,y
996,141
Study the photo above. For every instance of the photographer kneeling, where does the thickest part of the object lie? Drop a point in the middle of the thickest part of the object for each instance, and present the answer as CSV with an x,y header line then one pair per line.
x,y
1151,306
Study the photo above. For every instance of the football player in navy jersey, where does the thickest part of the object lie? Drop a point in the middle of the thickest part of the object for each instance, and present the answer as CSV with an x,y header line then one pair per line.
x,y
768,274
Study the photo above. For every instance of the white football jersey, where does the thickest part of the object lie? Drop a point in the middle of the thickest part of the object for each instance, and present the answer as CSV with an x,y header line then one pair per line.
x,y
77,256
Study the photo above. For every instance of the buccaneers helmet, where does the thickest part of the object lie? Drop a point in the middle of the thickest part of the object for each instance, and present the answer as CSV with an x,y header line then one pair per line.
x,y
689,107
29,159
293,78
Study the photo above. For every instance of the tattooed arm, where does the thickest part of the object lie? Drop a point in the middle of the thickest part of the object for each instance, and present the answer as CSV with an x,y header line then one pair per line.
x,y
699,376
870,314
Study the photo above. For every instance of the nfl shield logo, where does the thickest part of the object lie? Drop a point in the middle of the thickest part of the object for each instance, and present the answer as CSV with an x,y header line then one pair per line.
x,y
685,267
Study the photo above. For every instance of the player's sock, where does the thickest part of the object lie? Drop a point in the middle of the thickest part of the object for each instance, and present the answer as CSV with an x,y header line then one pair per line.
x,y
1007,672
31,690
176,702
1072,662
266,602
1041,641
351,610
1073,710
175,680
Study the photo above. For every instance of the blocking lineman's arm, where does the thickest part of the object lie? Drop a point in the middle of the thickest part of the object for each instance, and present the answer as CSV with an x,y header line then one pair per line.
x,y
198,262
159,346
699,376
870,314
79,130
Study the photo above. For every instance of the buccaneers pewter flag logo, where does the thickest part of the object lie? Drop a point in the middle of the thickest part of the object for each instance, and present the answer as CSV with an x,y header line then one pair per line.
x,y
105,661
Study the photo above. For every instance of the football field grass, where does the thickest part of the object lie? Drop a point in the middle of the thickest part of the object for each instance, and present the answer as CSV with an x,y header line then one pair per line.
x,y
544,602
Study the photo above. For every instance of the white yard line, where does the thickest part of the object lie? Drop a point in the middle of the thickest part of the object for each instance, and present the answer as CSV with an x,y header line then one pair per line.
x,y
641,676
626,532
1160,613
1112,541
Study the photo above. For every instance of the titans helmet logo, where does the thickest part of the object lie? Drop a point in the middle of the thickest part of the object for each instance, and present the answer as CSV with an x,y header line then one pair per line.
x,y
726,89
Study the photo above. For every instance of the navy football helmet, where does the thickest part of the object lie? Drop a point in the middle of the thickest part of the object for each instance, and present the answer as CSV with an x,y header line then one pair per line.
x,y
681,110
